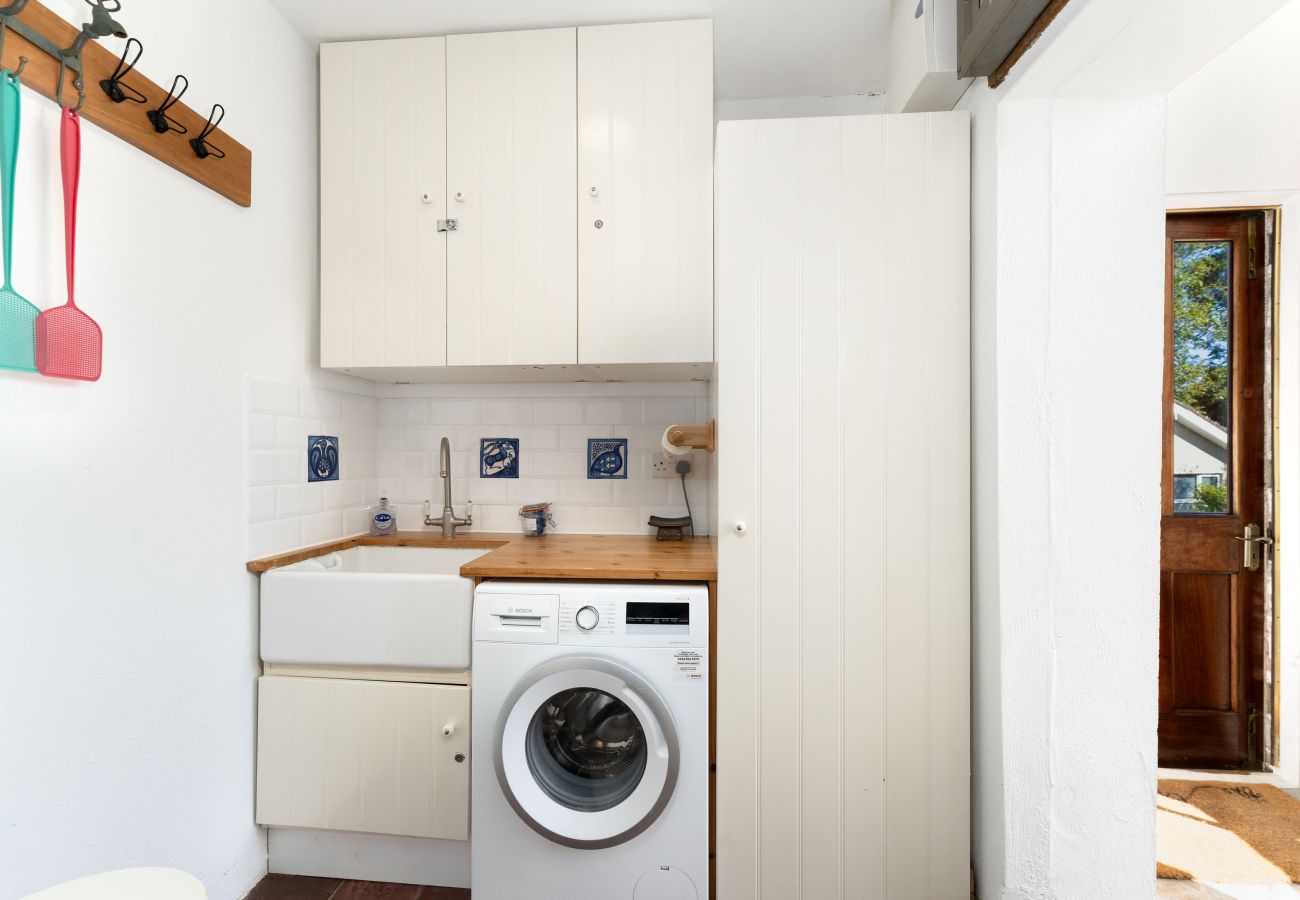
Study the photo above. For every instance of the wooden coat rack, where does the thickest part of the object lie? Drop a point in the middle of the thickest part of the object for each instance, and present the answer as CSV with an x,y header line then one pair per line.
x,y
231,176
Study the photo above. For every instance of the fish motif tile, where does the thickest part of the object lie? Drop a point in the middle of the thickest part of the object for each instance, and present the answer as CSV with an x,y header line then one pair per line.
x,y
607,458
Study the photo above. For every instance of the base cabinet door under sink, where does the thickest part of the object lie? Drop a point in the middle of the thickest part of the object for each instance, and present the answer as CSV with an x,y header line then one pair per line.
x,y
368,756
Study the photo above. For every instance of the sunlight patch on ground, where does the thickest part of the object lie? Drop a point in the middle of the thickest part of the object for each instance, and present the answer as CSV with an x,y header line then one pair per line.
x,y
1210,853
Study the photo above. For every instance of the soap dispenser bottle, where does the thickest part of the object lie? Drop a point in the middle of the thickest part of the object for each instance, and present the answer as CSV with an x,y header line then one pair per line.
x,y
384,521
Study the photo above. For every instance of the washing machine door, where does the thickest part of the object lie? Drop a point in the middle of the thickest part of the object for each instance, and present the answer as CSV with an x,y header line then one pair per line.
x,y
586,752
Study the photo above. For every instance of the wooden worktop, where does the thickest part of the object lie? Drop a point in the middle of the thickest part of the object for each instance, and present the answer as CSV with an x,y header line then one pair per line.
x,y
604,557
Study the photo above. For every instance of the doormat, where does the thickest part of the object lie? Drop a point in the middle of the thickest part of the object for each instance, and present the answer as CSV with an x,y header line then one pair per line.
x,y
1227,833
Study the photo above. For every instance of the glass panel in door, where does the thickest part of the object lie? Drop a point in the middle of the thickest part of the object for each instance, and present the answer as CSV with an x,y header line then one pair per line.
x,y
1202,376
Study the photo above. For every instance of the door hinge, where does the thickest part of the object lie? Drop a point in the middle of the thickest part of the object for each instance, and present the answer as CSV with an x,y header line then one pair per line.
x,y
1252,727
1252,246
448,225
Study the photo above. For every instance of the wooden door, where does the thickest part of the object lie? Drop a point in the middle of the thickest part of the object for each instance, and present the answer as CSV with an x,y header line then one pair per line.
x,y
645,193
383,182
512,157
1214,488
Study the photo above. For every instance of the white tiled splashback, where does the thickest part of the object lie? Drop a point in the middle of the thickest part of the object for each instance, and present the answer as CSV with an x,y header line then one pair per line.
x,y
553,423
286,512
390,444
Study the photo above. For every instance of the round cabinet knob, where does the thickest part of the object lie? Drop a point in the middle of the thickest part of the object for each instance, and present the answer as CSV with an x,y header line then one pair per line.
x,y
594,191
426,198
587,618
600,223
460,196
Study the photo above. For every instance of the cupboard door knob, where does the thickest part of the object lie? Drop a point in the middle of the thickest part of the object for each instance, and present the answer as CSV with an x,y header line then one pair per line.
x,y
600,223
460,197
426,198
460,757
740,527
449,729
594,191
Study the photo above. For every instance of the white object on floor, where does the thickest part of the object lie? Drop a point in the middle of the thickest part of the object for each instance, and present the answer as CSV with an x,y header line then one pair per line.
x,y
590,716
128,884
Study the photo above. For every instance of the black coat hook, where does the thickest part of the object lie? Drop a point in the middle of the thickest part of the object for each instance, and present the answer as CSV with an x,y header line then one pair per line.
x,y
202,149
163,123
113,86
12,9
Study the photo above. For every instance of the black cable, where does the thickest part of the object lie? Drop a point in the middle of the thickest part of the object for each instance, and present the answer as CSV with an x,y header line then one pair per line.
x,y
682,468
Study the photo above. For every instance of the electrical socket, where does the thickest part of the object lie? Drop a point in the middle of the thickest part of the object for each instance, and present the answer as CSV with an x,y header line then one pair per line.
x,y
661,467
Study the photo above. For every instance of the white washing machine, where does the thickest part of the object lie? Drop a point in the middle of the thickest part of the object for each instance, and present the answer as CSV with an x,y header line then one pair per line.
x,y
591,742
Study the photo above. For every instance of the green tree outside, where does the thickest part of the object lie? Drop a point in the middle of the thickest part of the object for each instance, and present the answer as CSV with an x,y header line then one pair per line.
x,y
1201,314
1210,498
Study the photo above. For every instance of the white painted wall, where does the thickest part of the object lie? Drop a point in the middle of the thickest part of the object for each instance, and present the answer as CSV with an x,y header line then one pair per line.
x,y
127,625
285,510
796,107
1232,143
553,423
843,654
1067,580
1068,189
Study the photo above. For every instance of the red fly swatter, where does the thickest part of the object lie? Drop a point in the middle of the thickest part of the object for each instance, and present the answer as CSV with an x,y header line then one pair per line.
x,y
69,344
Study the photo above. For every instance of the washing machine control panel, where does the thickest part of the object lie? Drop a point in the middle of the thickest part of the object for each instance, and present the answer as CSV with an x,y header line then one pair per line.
x,y
587,616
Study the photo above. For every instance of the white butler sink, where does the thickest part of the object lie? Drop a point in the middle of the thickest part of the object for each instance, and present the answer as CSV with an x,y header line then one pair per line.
x,y
380,607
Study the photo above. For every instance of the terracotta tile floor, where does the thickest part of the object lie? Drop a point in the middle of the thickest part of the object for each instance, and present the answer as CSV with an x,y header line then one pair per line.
x,y
303,887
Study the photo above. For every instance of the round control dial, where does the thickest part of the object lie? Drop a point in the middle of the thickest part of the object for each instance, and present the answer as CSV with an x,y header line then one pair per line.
x,y
587,618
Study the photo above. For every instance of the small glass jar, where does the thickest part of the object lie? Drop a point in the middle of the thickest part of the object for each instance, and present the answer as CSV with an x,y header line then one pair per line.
x,y
536,520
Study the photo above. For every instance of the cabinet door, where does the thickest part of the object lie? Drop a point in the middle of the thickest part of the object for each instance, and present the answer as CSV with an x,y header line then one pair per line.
x,y
645,193
856,328
363,756
512,292
383,189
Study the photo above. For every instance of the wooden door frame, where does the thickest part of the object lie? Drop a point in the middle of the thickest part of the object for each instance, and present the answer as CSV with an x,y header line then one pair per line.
x,y
1273,524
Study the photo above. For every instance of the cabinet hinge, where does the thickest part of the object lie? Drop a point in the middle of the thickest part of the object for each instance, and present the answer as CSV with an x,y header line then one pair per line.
x,y
448,225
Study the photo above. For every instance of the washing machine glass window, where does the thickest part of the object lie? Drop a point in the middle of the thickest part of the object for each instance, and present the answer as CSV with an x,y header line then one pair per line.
x,y
586,749
587,752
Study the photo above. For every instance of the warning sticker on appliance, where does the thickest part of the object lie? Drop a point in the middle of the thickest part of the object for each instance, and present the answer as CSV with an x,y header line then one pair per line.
x,y
688,665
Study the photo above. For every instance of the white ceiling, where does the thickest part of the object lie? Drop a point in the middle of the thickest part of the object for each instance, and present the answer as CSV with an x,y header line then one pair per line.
x,y
765,48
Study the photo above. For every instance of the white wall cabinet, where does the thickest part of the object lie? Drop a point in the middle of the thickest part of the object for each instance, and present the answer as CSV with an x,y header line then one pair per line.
x,y
365,756
383,190
578,167
511,174
844,382
645,172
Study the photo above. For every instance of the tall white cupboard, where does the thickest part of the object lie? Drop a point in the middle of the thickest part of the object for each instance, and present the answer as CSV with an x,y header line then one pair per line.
x,y
843,740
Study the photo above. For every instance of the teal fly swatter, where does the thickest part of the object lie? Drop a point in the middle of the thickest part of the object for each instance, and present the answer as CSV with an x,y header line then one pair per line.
x,y
17,315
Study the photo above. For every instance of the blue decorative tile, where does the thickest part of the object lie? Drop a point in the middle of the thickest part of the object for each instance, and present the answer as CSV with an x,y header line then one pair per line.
x,y
498,458
322,458
607,458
